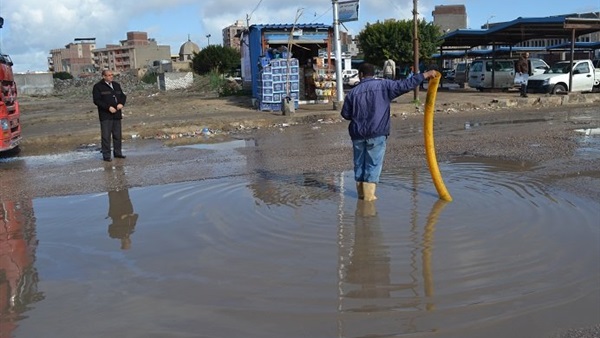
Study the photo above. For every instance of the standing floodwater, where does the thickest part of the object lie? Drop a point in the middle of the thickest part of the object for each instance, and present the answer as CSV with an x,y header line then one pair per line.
x,y
297,255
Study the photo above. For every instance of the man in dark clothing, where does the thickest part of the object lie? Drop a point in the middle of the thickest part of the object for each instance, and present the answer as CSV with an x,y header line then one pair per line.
x,y
522,68
110,99
367,106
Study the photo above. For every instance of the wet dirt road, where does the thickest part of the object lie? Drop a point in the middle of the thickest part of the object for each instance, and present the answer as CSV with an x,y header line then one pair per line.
x,y
558,142
262,235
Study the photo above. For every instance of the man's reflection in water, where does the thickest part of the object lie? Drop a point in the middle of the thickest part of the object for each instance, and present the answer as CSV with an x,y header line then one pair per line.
x,y
369,266
120,208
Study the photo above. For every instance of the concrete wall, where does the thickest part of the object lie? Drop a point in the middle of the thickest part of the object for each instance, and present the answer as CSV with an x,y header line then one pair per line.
x,y
35,83
171,81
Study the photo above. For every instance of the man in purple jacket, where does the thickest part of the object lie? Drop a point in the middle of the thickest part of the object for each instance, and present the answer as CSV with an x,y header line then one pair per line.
x,y
367,106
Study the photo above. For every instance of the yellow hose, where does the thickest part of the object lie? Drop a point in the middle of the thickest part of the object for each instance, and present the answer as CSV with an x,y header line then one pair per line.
x,y
429,144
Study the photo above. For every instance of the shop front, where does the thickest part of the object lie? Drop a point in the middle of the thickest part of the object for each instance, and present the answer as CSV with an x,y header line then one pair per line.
x,y
285,61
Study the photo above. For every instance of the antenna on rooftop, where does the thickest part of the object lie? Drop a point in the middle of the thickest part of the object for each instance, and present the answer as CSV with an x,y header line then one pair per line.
x,y
249,16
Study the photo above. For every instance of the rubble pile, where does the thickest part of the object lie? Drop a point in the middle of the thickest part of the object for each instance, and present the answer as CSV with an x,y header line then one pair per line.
x,y
131,84
82,86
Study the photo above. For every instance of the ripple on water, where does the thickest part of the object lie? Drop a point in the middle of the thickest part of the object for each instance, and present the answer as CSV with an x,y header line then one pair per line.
x,y
299,253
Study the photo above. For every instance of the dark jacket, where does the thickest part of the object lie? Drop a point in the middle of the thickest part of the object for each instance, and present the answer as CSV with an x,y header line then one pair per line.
x,y
522,65
367,105
105,97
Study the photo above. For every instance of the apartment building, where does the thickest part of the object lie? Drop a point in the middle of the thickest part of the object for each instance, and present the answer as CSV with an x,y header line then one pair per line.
x,y
450,17
132,54
76,58
231,34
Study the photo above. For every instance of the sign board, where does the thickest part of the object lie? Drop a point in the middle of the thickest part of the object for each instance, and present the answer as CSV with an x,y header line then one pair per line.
x,y
348,11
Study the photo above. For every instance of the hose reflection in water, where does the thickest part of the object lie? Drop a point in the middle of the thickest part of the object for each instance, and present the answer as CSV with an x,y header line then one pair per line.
x,y
366,284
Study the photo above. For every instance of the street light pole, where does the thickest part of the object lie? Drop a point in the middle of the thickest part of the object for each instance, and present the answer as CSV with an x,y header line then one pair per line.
x,y
416,45
339,85
487,23
208,38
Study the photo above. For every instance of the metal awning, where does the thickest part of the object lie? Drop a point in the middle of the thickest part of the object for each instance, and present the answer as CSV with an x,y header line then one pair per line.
x,y
511,33
522,29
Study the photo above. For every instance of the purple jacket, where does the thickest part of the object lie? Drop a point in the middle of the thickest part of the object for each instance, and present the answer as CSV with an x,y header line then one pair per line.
x,y
367,105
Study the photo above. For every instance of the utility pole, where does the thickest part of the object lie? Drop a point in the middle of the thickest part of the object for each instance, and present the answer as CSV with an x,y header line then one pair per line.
x,y
416,45
487,23
339,84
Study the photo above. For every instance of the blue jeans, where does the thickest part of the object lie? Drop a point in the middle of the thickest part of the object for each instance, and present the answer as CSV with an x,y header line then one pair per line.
x,y
368,158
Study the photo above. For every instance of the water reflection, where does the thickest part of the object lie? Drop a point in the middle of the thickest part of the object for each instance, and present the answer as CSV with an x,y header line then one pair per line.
x,y
120,208
274,254
293,189
427,251
18,275
369,266
367,285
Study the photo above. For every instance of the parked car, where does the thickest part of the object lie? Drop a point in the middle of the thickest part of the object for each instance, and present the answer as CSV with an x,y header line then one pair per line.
x,y
460,73
346,73
481,71
585,78
450,75
352,80
538,66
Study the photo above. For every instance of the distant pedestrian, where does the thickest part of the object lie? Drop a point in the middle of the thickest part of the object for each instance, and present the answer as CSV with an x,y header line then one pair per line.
x,y
389,69
110,99
411,72
522,68
367,106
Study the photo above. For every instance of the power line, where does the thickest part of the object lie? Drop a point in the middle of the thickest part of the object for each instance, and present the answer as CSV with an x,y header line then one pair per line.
x,y
320,16
249,16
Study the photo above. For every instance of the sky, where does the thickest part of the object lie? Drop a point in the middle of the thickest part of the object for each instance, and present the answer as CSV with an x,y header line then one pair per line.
x,y
33,27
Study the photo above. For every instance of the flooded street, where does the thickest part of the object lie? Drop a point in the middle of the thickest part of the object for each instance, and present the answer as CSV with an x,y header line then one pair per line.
x,y
248,239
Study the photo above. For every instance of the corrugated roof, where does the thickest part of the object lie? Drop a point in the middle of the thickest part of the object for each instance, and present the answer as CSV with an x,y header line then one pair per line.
x,y
519,30
290,26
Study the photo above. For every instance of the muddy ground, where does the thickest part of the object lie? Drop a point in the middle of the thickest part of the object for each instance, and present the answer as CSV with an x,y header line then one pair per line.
x,y
535,135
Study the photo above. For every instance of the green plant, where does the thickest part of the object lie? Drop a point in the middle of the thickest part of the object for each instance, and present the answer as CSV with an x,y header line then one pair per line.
x,y
215,80
149,77
62,76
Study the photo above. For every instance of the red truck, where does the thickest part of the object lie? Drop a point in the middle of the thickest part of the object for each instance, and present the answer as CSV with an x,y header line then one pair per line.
x,y
10,115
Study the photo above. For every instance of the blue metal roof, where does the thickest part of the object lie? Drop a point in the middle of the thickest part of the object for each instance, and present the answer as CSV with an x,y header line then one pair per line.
x,y
452,54
519,30
290,26
578,45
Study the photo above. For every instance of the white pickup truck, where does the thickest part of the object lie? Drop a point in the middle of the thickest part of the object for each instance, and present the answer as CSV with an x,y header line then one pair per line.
x,y
586,78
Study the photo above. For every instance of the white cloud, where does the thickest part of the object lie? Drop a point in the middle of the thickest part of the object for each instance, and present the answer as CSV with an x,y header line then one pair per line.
x,y
33,27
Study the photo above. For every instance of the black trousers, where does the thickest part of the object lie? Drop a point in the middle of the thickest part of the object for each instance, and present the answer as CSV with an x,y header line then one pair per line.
x,y
110,130
523,89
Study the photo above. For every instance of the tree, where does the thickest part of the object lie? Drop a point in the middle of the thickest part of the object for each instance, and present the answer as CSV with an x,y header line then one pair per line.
x,y
62,75
393,39
216,58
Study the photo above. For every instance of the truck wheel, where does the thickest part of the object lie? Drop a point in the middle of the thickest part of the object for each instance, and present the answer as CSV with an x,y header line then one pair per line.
x,y
559,89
